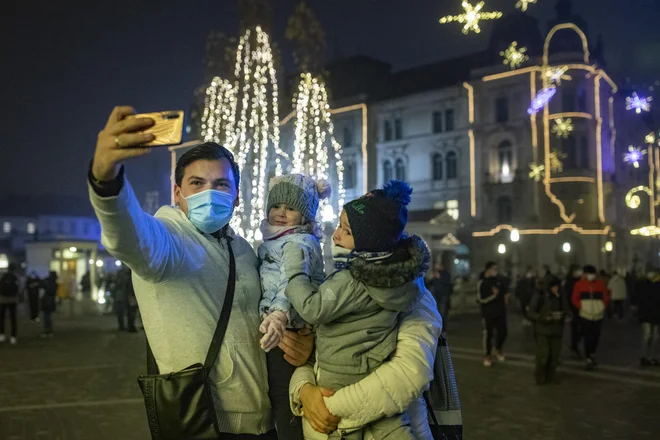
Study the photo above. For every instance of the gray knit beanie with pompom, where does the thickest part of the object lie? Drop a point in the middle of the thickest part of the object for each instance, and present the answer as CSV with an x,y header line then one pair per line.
x,y
299,192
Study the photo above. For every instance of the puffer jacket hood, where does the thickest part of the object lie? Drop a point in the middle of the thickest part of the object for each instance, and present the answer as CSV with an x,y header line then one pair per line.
x,y
397,282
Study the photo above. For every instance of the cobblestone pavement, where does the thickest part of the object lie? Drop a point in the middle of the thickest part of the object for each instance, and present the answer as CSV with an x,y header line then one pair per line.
x,y
82,385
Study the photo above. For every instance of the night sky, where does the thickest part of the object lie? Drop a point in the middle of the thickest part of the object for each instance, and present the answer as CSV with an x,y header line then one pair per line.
x,y
64,65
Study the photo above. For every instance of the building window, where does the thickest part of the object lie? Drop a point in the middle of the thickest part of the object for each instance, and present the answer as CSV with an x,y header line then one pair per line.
x,y
449,120
583,159
387,171
504,209
348,137
501,110
437,167
582,100
400,169
6,227
398,129
388,131
505,160
451,165
568,100
349,175
452,209
31,228
437,122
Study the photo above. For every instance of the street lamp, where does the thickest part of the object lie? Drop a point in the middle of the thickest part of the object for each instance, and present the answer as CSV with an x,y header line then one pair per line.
x,y
73,249
515,235
566,247
501,249
118,263
99,263
609,246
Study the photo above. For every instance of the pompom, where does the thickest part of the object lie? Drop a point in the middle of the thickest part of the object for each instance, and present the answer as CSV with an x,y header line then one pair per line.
x,y
274,181
398,190
323,188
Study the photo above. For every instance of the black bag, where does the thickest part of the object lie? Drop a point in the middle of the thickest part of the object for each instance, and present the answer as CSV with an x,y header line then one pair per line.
x,y
179,405
442,400
8,285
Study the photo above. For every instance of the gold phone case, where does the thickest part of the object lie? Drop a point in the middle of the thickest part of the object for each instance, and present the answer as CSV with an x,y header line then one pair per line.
x,y
168,127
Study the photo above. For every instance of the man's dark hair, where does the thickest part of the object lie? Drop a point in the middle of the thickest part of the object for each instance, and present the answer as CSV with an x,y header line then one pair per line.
x,y
589,269
489,265
206,151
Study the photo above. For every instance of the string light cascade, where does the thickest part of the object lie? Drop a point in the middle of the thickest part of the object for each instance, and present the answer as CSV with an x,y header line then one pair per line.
x,y
638,103
471,17
514,57
523,4
314,133
219,110
563,128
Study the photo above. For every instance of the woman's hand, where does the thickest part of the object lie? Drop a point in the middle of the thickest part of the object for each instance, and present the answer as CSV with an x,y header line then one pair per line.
x,y
314,409
118,141
297,347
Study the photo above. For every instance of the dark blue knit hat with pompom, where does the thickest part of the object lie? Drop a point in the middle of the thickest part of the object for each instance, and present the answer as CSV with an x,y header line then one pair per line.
x,y
379,218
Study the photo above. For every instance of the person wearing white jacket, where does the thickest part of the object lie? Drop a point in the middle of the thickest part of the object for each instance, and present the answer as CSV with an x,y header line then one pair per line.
x,y
395,387
618,291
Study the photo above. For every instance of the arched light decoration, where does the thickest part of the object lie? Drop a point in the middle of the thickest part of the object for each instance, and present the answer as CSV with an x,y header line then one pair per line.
x,y
634,155
514,57
542,98
638,103
471,17
522,4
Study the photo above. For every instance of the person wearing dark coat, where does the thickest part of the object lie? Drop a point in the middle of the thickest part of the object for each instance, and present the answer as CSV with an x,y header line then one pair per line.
x,y
548,310
574,275
525,289
124,300
49,303
491,296
646,302
441,288
33,285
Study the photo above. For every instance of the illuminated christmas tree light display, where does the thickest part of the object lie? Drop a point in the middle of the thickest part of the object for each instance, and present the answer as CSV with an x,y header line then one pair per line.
x,y
638,103
634,155
523,4
632,200
555,75
542,98
219,111
514,57
537,171
556,164
471,17
563,128
314,132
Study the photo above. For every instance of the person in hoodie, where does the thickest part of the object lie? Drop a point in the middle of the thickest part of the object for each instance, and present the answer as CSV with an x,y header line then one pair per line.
x,y
491,296
574,275
548,310
590,298
646,302
356,310
291,212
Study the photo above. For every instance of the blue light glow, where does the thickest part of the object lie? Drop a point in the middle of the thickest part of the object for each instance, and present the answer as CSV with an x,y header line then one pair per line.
x,y
542,98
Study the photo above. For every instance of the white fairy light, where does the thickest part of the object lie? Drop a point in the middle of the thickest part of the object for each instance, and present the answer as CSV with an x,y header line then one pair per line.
x,y
219,109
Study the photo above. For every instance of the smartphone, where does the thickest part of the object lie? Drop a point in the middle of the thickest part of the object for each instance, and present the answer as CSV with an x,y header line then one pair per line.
x,y
168,127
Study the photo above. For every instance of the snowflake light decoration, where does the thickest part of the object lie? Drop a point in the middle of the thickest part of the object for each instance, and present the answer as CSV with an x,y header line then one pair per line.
x,y
563,127
638,103
513,56
556,74
522,4
542,98
556,164
537,171
471,17
634,155
650,138
632,200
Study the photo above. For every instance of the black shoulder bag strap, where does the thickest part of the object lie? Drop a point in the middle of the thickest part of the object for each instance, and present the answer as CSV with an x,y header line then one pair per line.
x,y
221,328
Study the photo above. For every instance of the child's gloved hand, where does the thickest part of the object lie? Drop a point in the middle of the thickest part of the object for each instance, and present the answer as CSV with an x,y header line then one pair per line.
x,y
294,260
273,327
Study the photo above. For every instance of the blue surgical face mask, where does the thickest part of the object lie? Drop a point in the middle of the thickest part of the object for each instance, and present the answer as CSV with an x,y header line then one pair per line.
x,y
210,210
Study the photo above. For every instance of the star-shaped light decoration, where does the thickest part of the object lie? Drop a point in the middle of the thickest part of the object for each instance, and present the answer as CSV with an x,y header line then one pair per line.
x,y
634,155
563,127
556,74
537,171
556,164
638,103
471,17
513,56
522,4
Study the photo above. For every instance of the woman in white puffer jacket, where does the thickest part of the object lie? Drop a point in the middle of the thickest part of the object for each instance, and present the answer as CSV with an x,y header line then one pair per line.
x,y
395,387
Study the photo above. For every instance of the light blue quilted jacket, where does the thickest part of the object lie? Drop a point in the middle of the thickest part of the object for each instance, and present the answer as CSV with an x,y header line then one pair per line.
x,y
273,279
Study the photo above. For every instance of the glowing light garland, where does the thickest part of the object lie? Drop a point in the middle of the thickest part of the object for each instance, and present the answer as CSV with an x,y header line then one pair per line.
x,y
634,155
514,57
542,98
646,231
219,110
522,4
471,17
563,127
314,130
638,103
632,200
555,75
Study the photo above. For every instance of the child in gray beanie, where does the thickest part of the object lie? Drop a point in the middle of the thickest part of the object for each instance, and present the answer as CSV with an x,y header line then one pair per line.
x,y
293,201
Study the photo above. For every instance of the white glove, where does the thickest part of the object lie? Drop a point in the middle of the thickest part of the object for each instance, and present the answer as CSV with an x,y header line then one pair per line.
x,y
273,327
